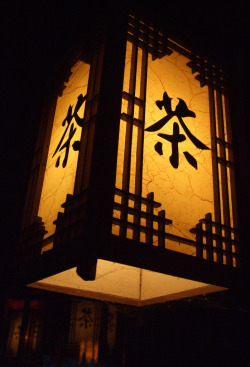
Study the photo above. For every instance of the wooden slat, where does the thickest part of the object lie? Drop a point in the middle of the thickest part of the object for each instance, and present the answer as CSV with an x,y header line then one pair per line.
x,y
149,219
140,138
217,208
209,239
161,228
232,192
131,196
142,213
224,178
82,172
128,138
128,97
199,241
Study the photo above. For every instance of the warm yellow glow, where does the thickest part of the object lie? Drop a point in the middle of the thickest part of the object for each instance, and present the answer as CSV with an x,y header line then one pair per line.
x,y
125,284
185,192
120,154
59,181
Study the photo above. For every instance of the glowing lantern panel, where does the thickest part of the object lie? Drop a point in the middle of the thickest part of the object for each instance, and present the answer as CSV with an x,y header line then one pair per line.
x,y
64,146
177,164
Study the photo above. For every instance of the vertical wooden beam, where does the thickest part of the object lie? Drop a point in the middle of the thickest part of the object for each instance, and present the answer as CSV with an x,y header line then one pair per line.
x,y
161,228
231,175
224,178
217,208
83,166
149,220
128,138
140,137
129,127
199,240
142,112
104,157
209,240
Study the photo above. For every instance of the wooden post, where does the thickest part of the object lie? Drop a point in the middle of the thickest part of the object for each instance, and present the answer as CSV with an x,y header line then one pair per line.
x,y
161,229
149,220
209,239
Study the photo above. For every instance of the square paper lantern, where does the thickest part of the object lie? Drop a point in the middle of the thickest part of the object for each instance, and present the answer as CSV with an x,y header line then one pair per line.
x,y
135,178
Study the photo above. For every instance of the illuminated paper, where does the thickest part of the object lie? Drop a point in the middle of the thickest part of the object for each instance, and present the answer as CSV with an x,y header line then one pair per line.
x,y
60,171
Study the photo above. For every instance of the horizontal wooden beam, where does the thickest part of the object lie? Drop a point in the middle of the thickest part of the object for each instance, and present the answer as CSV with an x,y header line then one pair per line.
x,y
124,251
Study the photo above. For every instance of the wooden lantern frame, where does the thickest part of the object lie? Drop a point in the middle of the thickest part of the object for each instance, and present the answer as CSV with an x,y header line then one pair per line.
x,y
84,231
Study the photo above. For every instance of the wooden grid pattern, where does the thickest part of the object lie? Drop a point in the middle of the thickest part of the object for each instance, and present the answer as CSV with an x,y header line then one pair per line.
x,y
131,121
30,242
64,223
220,236
142,221
223,174
216,242
208,74
70,224
148,37
159,45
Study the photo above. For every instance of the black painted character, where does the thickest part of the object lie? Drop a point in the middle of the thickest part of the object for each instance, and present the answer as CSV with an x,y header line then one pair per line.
x,y
180,112
86,318
68,119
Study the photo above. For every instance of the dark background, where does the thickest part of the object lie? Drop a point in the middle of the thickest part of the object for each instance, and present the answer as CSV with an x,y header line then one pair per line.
x,y
35,35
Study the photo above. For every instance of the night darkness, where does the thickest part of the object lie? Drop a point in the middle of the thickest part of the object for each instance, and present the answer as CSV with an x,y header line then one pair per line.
x,y
35,35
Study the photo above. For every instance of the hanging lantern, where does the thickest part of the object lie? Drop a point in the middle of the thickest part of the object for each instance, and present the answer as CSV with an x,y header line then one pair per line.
x,y
132,193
